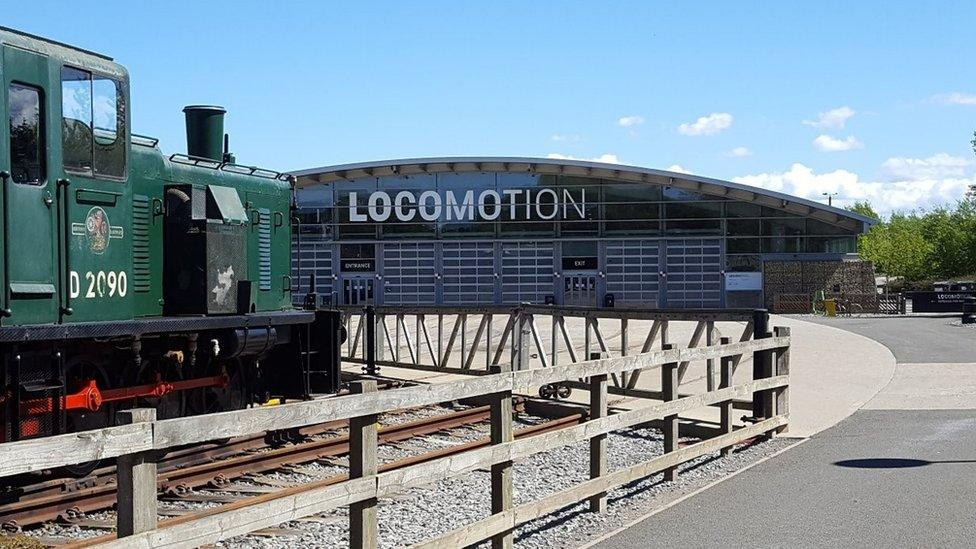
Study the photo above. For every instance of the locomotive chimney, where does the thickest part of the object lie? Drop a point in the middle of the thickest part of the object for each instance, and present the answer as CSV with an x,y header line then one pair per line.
x,y
205,131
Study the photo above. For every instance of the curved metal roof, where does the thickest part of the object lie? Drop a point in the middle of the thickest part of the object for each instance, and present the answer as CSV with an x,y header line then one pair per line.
x,y
705,185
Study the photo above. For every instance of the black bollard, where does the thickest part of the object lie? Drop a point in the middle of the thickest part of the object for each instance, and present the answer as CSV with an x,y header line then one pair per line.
x,y
969,310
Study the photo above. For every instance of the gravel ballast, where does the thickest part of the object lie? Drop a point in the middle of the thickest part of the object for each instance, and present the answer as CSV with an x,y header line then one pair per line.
x,y
424,513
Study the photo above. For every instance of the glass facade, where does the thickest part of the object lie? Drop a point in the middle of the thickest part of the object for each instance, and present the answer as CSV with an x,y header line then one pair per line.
x,y
503,205
566,217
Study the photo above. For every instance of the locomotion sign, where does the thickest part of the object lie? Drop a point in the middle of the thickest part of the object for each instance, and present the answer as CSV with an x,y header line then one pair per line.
x,y
486,205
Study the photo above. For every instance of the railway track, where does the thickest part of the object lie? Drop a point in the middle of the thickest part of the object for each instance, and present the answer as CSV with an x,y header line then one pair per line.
x,y
215,467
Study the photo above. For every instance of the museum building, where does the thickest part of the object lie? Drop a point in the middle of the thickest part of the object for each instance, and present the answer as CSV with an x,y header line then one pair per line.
x,y
468,231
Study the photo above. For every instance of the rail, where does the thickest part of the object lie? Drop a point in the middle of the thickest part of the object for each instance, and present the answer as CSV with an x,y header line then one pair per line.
x,y
139,440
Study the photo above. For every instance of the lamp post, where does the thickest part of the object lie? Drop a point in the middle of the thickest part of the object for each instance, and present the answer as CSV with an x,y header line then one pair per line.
x,y
830,198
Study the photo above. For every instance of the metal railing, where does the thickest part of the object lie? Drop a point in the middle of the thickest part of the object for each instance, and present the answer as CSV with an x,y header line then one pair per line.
x,y
441,339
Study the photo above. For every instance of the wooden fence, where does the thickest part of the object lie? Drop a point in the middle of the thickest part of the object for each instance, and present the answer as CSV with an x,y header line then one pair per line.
x,y
138,443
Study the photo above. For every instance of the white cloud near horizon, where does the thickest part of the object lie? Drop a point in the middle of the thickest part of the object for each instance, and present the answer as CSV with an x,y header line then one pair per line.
x,y
606,158
739,152
937,166
901,194
707,125
955,98
630,121
678,168
834,118
829,143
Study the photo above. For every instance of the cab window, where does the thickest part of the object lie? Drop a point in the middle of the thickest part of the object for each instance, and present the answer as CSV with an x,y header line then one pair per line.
x,y
93,124
26,134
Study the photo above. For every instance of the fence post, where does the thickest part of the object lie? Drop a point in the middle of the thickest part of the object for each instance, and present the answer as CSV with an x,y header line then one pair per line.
x,y
363,524
726,363
783,369
370,343
520,343
380,353
136,478
501,473
598,444
761,366
710,363
669,391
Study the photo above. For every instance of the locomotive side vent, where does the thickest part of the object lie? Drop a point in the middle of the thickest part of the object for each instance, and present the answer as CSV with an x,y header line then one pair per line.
x,y
141,272
264,249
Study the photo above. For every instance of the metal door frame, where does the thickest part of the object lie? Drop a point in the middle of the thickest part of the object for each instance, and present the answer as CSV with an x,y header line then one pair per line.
x,y
357,280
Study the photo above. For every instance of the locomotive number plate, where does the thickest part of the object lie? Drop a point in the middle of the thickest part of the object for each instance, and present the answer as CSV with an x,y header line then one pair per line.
x,y
99,284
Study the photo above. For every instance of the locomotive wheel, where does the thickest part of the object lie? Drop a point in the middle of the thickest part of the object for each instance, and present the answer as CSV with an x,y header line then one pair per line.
x,y
220,399
169,406
78,370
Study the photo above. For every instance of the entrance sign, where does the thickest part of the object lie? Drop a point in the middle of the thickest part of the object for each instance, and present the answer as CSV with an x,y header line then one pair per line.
x,y
938,302
358,265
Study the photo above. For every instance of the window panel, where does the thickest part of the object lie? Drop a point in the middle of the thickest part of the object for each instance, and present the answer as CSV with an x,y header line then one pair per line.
x,y
844,244
742,245
694,226
815,227
783,227
742,227
693,210
629,193
26,135
742,209
76,113
631,227
789,245
108,128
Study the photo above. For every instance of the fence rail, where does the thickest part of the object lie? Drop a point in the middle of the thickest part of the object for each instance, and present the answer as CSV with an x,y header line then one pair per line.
x,y
138,443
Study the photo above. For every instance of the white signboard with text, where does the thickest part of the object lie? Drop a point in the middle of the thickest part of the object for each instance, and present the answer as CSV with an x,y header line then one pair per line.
x,y
743,282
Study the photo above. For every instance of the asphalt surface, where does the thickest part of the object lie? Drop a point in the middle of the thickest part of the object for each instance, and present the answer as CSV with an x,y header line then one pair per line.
x,y
912,339
880,478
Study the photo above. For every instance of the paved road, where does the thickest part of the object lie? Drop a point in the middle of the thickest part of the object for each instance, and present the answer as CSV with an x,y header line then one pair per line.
x,y
806,498
901,472
912,339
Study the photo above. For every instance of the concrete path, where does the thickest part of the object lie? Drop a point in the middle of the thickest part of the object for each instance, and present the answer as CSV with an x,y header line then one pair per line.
x,y
898,473
833,372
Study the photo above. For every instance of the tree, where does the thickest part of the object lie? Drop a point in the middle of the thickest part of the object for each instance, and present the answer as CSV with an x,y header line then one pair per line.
x,y
898,248
864,208
971,193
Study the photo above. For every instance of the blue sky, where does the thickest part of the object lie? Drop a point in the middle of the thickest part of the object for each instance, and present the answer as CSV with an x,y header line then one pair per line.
x,y
871,100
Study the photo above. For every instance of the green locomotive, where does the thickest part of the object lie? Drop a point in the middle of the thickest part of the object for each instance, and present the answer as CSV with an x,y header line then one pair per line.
x,y
133,278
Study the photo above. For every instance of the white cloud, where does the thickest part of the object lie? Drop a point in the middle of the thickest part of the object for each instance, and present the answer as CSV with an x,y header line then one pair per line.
x,y
678,168
884,196
938,166
630,121
833,144
570,137
606,158
834,118
739,152
707,125
955,98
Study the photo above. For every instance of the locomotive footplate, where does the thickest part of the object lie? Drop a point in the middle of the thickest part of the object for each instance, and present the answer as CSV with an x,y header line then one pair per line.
x,y
148,326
